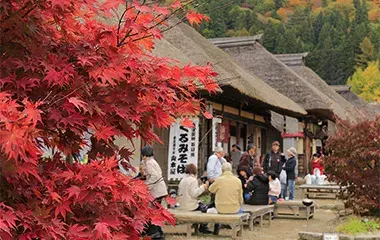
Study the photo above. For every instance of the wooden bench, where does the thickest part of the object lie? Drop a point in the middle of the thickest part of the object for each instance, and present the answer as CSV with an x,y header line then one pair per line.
x,y
293,209
258,211
328,191
236,221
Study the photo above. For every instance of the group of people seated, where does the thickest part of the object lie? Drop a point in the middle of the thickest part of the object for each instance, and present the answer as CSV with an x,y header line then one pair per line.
x,y
253,184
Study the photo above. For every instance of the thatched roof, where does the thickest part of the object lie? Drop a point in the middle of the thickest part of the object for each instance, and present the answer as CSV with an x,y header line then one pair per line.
x,y
258,61
186,45
294,59
375,107
361,105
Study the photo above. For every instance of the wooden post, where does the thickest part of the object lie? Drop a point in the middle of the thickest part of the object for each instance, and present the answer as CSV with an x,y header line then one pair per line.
x,y
251,219
270,218
188,230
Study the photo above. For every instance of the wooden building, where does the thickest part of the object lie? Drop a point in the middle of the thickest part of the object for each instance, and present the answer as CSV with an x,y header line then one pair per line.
x,y
242,107
288,75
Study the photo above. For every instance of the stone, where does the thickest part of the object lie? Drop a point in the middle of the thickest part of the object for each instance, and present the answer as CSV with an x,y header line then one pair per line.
x,y
310,236
367,237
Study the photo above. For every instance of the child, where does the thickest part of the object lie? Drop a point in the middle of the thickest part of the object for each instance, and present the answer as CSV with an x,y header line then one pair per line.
x,y
274,187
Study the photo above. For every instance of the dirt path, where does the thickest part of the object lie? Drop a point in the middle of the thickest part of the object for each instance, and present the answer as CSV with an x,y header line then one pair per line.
x,y
281,229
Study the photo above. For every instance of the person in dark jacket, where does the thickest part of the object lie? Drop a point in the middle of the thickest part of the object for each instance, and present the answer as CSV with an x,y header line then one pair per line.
x,y
290,167
248,159
274,159
244,176
259,187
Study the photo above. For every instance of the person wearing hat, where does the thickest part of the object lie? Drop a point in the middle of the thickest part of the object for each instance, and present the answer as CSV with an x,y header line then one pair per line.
x,y
156,186
274,160
290,168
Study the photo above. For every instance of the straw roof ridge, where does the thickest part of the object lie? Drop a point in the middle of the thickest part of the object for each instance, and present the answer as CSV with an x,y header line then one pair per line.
x,y
339,103
186,45
362,106
258,61
293,59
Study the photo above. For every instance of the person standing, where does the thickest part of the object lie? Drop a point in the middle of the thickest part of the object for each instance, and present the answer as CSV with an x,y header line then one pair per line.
x,y
290,167
156,186
259,187
189,191
316,163
235,156
214,164
248,159
274,160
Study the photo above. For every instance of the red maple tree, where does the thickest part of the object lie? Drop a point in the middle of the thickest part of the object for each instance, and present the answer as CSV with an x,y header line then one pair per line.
x,y
67,69
354,162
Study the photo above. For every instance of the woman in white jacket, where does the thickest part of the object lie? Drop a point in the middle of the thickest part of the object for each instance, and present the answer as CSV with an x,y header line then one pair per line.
x,y
189,191
156,185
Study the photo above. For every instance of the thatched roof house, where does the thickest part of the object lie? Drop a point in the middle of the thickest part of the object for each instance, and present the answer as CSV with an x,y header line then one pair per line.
x,y
186,45
296,63
361,105
258,61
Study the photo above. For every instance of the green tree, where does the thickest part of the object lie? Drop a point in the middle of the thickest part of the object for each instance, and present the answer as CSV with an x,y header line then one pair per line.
x,y
278,4
318,25
288,43
367,53
366,82
374,36
270,36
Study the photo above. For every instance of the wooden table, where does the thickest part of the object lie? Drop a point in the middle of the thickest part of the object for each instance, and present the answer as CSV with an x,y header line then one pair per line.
x,y
236,221
258,211
327,191
293,209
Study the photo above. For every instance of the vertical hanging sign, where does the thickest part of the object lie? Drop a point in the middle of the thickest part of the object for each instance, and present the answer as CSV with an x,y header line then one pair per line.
x,y
214,132
183,148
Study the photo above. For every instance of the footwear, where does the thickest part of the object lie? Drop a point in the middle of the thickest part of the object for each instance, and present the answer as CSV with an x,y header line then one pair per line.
x,y
225,227
204,231
157,236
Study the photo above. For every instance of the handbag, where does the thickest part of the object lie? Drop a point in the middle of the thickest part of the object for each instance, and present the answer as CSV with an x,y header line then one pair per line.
x,y
283,176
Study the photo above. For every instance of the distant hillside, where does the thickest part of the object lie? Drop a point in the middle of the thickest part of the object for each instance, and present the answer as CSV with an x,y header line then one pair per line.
x,y
332,31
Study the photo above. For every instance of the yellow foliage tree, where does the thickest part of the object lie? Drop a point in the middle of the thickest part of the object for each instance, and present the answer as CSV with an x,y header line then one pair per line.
x,y
366,83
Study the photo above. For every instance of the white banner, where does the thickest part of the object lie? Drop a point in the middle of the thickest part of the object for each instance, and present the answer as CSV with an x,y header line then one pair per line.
x,y
183,148
214,132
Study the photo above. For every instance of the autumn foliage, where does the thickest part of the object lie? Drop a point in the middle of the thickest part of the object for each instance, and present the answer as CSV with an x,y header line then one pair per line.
x,y
354,161
75,66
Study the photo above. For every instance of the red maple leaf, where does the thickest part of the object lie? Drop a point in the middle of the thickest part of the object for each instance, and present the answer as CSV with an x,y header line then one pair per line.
x,y
102,231
55,196
207,114
73,191
196,18
63,209
33,114
78,231
78,103
186,122
177,4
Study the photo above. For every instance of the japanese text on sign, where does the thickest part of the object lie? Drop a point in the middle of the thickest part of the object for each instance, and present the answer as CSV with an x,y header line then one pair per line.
x,y
183,148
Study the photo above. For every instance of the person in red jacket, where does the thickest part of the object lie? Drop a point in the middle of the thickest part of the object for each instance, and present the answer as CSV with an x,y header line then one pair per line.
x,y
317,163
